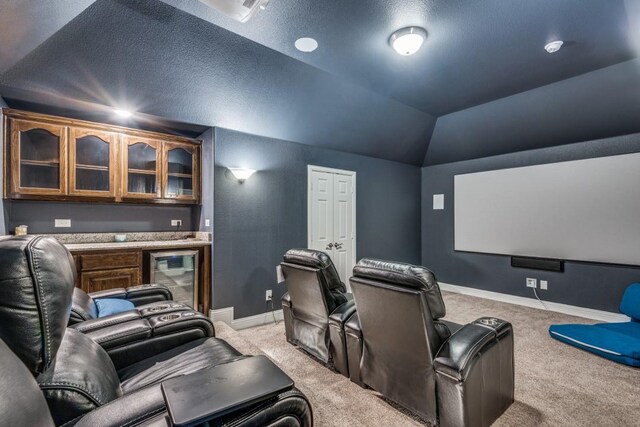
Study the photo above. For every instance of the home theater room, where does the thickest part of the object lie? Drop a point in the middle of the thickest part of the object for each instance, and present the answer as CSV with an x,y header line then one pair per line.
x,y
296,213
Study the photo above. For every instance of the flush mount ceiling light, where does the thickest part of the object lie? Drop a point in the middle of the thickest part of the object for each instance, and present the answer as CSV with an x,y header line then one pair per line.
x,y
408,41
121,112
554,46
306,44
242,174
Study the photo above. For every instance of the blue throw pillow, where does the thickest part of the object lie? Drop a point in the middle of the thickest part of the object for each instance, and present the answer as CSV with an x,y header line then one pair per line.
x,y
109,306
630,304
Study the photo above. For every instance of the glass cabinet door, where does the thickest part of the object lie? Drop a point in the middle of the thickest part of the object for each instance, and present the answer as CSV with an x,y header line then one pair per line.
x,y
180,178
38,158
92,157
141,168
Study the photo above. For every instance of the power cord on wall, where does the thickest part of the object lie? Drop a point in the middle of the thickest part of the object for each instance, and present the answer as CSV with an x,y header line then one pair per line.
x,y
273,310
535,292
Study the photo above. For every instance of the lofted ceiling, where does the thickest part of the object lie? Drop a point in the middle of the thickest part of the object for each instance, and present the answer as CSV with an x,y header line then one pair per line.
x,y
185,62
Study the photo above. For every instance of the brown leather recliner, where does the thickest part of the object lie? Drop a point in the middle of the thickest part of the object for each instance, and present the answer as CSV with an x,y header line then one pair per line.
x,y
316,306
397,345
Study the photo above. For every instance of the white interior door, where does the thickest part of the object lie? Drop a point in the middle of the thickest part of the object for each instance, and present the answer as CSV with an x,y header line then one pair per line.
x,y
332,216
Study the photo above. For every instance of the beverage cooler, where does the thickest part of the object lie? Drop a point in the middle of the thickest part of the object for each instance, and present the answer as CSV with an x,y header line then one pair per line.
x,y
178,270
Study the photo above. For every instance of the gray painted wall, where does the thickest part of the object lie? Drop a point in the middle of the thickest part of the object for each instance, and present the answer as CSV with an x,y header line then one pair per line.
x,y
97,218
256,222
597,286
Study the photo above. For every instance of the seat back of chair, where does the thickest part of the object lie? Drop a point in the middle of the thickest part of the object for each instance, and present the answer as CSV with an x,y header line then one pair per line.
x,y
315,290
21,401
83,307
396,305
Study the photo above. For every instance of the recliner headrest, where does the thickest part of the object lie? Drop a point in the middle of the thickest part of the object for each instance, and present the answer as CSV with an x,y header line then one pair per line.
x,y
308,257
406,275
630,304
36,285
316,259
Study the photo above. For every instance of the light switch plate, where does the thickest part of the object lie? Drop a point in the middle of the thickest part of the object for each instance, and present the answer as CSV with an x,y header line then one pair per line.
x,y
438,202
279,274
64,223
544,285
207,222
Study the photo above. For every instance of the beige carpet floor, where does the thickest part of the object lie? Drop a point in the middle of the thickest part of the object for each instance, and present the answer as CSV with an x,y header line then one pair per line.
x,y
556,385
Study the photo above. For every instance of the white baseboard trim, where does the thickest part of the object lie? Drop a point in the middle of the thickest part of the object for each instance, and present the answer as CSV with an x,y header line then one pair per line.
x,y
226,315
589,313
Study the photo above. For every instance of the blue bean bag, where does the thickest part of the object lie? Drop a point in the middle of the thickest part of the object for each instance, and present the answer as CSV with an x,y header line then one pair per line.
x,y
619,342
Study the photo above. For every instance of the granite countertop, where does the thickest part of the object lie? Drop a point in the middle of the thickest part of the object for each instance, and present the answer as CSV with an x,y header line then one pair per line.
x,y
149,244
147,240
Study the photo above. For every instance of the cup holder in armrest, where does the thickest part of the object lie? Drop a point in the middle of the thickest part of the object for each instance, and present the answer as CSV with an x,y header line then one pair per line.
x,y
169,317
489,321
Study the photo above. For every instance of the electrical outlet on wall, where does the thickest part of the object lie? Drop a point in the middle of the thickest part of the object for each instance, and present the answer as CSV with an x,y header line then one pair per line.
x,y
544,285
66,223
176,222
269,295
532,283
207,222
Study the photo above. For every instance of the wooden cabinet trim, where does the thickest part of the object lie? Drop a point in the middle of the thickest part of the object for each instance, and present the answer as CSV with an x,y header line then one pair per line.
x,y
18,126
110,260
128,141
196,175
65,121
110,138
126,276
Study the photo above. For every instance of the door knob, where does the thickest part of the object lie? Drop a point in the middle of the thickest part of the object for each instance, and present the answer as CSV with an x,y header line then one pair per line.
x,y
330,245
338,245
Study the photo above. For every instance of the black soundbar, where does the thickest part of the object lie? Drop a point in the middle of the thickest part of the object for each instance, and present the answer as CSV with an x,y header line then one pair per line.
x,y
537,263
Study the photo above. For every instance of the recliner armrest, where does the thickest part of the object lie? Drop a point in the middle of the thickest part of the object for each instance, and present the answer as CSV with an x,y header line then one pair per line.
x,y
145,294
109,293
456,356
342,313
103,322
121,334
286,300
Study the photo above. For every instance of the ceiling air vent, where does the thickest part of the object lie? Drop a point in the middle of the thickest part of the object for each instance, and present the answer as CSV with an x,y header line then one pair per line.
x,y
240,10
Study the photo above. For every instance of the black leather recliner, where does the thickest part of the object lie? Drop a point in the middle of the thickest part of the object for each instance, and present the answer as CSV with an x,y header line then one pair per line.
x,y
77,375
316,306
399,346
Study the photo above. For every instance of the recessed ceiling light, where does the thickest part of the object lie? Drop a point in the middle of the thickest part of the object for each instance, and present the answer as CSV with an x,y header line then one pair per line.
x,y
554,46
121,112
408,41
306,44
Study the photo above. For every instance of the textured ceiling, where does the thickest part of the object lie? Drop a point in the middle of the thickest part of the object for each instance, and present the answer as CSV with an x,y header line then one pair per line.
x,y
164,62
184,62
476,51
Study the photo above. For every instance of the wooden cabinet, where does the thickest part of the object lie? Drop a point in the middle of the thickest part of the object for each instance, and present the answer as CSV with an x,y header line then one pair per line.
x,y
37,159
99,270
93,281
108,270
92,162
54,158
180,169
142,168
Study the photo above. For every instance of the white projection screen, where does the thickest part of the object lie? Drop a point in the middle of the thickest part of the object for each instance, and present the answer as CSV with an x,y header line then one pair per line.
x,y
583,210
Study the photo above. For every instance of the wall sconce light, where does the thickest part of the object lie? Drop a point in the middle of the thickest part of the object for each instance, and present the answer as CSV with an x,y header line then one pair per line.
x,y
242,174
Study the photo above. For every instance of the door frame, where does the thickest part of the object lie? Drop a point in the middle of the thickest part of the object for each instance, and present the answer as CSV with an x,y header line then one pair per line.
x,y
312,168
